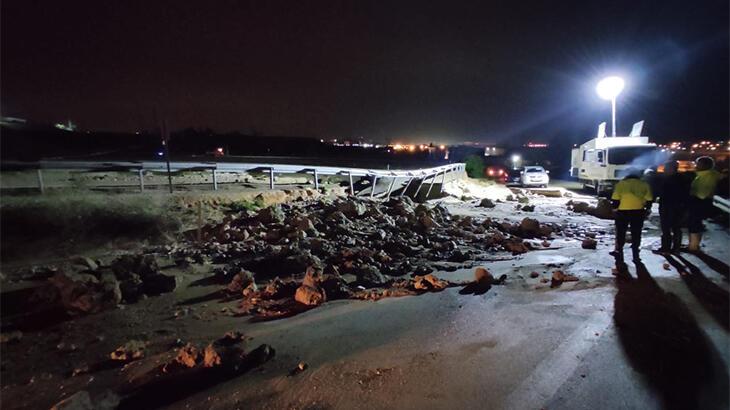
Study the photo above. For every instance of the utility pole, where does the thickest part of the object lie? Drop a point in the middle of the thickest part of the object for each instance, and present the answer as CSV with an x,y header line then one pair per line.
x,y
166,142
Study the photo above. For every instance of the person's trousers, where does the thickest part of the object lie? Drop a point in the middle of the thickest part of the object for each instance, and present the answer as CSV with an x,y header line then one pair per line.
x,y
697,210
633,219
671,224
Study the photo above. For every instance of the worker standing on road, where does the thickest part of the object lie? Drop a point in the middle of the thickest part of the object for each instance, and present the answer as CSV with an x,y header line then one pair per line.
x,y
673,192
632,199
700,199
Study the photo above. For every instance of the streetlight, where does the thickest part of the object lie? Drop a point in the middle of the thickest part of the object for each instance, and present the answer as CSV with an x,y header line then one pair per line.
x,y
608,89
515,160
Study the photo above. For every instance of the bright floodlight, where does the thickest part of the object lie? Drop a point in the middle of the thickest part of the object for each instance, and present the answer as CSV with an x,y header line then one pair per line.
x,y
610,87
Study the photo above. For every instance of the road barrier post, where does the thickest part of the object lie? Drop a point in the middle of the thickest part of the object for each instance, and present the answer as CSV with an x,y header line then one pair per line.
x,y
316,179
403,192
390,188
40,181
215,180
271,178
140,173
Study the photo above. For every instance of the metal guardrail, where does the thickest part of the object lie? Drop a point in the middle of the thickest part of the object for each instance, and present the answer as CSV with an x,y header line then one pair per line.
x,y
722,203
422,174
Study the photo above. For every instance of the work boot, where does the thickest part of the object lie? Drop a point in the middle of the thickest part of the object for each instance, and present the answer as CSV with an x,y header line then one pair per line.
x,y
694,242
677,244
617,253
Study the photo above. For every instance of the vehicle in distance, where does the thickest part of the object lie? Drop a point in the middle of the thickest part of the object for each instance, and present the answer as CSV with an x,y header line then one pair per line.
x,y
534,176
496,173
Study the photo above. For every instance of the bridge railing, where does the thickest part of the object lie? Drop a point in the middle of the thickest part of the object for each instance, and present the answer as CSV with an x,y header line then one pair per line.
x,y
316,171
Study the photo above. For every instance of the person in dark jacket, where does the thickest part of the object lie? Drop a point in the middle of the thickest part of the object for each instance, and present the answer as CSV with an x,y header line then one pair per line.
x,y
673,192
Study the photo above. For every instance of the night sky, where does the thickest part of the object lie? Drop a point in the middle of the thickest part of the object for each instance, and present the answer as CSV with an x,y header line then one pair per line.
x,y
400,71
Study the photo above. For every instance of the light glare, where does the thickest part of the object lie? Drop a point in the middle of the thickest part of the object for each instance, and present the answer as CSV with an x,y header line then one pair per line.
x,y
610,87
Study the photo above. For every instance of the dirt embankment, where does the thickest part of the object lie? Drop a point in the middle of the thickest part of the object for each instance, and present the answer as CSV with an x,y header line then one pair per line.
x,y
37,228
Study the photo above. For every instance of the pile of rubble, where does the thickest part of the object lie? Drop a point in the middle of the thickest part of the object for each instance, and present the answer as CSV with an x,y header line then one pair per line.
x,y
288,258
93,287
602,210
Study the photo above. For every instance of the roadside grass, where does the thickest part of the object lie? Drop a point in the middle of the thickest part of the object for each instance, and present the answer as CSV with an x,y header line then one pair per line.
x,y
28,223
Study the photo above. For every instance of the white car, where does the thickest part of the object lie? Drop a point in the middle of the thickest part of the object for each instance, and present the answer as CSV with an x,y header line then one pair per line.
x,y
534,176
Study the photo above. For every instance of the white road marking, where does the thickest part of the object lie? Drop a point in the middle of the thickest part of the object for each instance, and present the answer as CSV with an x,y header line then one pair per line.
x,y
542,384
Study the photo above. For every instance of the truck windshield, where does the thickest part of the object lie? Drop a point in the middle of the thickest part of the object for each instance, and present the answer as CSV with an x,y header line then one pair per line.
x,y
633,155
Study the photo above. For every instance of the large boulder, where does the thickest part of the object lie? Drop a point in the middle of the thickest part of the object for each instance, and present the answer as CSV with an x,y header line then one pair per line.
x,y
309,295
529,228
351,208
272,214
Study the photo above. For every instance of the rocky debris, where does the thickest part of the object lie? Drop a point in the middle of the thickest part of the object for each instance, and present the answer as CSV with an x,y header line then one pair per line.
x,y
559,277
528,208
240,281
666,266
534,274
483,281
428,283
192,370
487,203
127,279
309,295
132,350
351,244
603,208
81,400
300,368
86,263
589,243
270,215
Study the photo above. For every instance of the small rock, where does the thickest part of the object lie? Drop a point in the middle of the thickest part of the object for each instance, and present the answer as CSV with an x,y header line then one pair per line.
x,y
589,243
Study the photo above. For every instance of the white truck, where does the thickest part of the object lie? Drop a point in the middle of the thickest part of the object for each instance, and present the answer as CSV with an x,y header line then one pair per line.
x,y
603,161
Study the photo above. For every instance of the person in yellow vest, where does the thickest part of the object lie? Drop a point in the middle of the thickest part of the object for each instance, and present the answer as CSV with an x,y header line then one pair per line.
x,y
632,199
700,199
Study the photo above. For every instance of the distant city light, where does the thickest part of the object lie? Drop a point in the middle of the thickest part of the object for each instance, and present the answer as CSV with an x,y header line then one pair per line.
x,y
442,147
160,153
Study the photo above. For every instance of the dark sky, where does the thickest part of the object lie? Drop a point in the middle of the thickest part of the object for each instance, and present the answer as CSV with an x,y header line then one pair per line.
x,y
408,71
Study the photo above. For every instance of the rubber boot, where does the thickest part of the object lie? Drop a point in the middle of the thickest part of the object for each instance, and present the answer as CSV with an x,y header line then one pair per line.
x,y
694,242
677,243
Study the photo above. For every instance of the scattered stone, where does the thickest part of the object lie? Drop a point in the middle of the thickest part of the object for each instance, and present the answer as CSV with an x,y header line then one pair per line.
x,y
589,243
86,262
667,266
309,295
300,368
482,275
132,350
559,277
487,203
528,208
534,274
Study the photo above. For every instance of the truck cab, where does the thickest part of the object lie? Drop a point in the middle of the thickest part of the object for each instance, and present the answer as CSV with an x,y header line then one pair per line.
x,y
601,162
